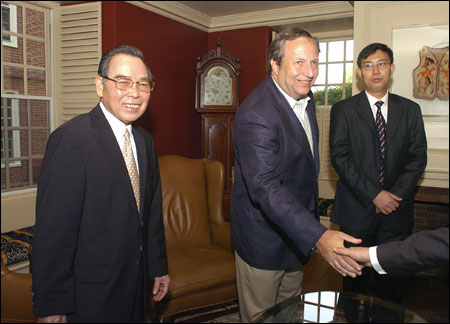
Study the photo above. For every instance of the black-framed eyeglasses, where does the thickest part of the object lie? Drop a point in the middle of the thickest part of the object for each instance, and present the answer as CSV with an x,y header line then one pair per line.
x,y
370,66
124,84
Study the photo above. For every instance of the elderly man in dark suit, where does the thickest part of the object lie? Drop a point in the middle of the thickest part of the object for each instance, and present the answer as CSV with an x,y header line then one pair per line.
x,y
99,235
379,149
274,204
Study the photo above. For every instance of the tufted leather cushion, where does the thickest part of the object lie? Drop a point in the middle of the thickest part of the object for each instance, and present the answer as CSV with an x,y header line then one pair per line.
x,y
185,205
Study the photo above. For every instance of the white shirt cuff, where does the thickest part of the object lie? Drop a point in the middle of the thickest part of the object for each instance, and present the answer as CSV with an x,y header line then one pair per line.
x,y
374,260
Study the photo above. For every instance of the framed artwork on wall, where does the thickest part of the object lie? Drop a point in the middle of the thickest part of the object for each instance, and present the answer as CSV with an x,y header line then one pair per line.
x,y
410,45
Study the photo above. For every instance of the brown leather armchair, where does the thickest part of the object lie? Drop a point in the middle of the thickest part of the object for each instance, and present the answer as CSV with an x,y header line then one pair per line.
x,y
199,251
16,297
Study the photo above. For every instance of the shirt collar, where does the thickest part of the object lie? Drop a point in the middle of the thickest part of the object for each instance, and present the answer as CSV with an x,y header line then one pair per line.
x,y
117,126
291,101
373,100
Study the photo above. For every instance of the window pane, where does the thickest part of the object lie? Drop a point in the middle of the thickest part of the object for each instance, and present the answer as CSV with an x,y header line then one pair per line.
x,y
39,113
36,83
319,95
323,52
36,53
322,72
35,23
335,51
335,73
38,141
13,79
36,170
13,54
349,50
19,174
12,18
23,111
3,176
334,95
18,143
348,91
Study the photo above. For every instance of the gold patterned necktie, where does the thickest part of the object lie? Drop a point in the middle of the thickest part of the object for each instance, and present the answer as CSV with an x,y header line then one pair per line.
x,y
131,166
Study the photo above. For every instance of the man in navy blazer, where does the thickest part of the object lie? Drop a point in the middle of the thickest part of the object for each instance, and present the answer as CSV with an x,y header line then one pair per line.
x,y
95,248
378,172
274,203
421,251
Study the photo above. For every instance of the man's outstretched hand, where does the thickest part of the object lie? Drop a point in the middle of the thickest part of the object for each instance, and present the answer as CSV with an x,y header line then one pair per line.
x,y
343,264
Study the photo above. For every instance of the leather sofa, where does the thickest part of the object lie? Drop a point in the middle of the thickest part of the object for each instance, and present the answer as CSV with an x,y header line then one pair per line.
x,y
16,297
199,251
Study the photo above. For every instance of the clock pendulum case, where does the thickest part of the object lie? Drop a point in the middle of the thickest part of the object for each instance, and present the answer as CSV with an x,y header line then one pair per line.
x,y
216,100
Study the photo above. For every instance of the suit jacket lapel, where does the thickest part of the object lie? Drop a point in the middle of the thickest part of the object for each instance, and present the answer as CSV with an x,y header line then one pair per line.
x,y
291,121
142,160
311,110
365,112
112,152
394,116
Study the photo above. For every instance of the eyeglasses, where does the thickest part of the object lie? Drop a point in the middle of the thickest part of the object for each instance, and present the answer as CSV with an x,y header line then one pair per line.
x,y
125,84
370,66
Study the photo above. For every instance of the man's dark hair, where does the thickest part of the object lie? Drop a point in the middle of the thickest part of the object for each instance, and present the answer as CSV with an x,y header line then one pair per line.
x,y
372,48
276,50
103,67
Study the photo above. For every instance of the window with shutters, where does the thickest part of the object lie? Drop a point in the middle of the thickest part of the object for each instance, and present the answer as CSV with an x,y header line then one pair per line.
x,y
26,96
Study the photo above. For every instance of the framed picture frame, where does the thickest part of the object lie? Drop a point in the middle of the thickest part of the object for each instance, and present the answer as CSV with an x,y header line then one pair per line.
x,y
406,44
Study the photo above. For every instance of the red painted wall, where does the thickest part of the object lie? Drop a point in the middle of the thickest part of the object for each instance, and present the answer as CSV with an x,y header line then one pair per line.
x,y
170,50
251,45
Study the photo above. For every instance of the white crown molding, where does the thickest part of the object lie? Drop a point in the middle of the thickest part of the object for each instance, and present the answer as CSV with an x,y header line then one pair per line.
x,y
283,16
177,11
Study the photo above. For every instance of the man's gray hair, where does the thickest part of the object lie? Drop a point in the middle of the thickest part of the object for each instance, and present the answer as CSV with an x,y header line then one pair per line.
x,y
276,50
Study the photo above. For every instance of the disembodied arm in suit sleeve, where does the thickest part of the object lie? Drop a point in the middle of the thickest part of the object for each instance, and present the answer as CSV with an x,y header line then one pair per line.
x,y
421,251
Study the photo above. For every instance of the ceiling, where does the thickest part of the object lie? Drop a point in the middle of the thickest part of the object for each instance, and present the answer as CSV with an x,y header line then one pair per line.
x,y
224,8
213,16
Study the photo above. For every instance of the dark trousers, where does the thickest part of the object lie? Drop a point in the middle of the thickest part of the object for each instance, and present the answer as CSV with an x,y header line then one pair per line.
x,y
370,282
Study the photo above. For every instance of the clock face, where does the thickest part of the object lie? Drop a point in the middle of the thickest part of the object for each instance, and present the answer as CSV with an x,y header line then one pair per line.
x,y
218,87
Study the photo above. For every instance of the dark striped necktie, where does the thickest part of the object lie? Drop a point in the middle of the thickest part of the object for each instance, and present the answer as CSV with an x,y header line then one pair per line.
x,y
381,129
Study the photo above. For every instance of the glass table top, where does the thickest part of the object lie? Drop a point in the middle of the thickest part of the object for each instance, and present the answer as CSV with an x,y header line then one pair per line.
x,y
338,307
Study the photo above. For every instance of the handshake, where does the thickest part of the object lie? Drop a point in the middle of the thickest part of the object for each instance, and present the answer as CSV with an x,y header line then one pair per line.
x,y
346,261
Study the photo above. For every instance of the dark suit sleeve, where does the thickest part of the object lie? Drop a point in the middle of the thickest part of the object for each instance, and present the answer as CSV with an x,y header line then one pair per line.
x,y
421,251
416,162
58,211
157,257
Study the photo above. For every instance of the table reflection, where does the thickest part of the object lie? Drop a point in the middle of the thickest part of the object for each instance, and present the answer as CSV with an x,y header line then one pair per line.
x,y
338,307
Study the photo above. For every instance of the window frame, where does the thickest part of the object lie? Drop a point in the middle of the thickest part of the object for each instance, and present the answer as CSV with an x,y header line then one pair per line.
x,y
8,162
12,42
344,62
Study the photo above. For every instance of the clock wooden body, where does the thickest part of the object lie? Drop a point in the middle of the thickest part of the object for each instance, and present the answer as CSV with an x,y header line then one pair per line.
x,y
217,99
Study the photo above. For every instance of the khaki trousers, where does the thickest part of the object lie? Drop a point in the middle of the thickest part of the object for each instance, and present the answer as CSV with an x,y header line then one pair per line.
x,y
260,289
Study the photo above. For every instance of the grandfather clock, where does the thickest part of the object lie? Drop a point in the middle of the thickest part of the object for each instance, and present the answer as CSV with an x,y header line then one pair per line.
x,y
217,99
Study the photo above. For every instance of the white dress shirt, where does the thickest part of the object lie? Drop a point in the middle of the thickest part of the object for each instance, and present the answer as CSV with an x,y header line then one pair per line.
x,y
384,107
374,260
118,128
299,108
